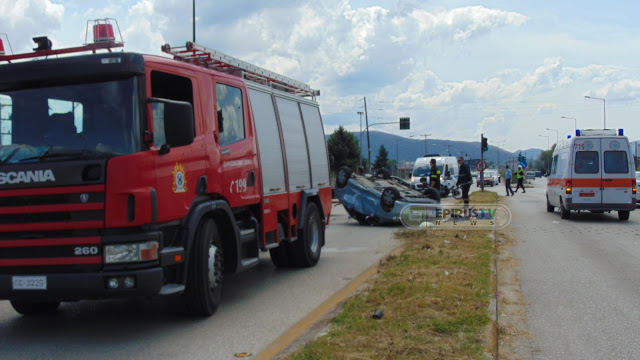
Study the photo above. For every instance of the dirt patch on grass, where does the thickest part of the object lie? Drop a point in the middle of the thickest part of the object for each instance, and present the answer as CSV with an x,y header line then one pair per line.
x,y
435,296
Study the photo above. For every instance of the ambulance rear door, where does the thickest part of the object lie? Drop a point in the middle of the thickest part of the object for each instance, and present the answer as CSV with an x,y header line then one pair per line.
x,y
617,178
586,181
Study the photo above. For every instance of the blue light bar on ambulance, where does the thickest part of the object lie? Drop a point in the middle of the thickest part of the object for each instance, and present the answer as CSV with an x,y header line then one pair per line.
x,y
577,132
620,132
568,136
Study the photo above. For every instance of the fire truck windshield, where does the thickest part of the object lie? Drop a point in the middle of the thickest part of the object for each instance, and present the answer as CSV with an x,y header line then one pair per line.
x,y
100,119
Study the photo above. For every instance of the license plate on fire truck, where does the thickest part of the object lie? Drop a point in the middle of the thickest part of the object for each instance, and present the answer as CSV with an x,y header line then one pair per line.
x,y
29,282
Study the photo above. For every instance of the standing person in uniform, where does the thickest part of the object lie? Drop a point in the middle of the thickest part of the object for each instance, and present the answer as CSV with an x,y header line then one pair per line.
x,y
520,177
434,175
464,180
507,181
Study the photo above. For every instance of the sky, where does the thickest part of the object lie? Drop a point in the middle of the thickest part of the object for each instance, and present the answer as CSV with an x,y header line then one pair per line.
x,y
506,69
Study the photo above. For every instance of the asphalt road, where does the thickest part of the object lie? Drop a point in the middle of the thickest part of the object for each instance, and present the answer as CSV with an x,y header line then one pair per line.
x,y
258,306
580,278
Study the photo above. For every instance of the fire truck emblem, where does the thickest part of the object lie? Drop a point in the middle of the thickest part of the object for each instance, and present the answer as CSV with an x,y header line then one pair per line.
x,y
179,179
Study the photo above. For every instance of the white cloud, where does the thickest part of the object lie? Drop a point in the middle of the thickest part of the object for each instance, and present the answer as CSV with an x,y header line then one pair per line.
x,y
27,18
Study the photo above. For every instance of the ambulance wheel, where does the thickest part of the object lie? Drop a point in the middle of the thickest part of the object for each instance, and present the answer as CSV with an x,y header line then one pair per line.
x,y
204,274
550,207
564,213
305,251
343,176
388,198
34,308
623,215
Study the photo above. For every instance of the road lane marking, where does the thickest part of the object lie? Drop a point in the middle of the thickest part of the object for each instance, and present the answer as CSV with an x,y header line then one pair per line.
x,y
301,326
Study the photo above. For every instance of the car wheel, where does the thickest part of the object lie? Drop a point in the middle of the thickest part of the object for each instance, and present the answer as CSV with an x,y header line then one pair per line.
x,y
432,194
564,213
206,264
306,250
343,176
388,198
623,215
550,207
34,308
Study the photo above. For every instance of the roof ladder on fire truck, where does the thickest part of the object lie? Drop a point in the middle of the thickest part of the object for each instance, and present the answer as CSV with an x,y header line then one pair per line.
x,y
216,60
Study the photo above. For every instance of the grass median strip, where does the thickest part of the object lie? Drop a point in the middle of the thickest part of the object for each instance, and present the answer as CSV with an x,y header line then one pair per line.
x,y
434,294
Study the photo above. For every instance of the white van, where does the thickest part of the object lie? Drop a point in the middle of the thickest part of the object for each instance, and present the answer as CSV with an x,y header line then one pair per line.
x,y
422,167
593,171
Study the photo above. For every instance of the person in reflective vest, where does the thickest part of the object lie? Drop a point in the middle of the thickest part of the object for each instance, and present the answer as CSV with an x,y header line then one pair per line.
x,y
434,175
520,177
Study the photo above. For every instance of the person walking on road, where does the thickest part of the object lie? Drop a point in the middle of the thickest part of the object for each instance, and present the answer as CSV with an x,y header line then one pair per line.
x,y
464,180
507,181
434,175
520,177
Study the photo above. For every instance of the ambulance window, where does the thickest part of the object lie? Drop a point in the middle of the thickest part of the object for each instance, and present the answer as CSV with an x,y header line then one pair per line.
x,y
230,114
587,162
615,162
554,166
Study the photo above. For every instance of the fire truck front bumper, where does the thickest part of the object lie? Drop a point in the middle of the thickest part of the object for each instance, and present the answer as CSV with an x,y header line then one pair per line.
x,y
78,286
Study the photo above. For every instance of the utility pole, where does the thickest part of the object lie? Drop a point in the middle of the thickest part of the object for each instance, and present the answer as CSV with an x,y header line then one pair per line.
x,y
425,144
481,162
360,113
366,117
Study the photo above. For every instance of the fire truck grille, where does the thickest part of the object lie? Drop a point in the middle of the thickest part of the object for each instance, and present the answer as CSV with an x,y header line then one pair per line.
x,y
51,229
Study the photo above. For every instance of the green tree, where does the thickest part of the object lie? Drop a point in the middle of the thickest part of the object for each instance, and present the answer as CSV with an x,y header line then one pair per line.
x,y
382,160
343,148
545,158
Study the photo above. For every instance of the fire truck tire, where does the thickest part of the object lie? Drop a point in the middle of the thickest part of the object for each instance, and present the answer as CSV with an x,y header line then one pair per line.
x,y
305,252
34,308
204,280
343,176
280,255
623,215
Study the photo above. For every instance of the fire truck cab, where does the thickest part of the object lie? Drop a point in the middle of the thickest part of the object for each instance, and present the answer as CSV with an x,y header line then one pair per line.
x,y
127,175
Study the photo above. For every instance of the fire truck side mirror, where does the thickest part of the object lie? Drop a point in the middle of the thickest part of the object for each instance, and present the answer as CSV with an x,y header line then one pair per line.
x,y
176,117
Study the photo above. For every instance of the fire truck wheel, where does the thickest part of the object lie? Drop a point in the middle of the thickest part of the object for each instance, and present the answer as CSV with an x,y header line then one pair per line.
x,y
388,198
280,255
34,308
343,176
305,252
623,215
204,280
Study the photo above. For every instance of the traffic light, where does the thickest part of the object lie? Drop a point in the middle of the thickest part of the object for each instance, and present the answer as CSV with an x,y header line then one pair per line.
x,y
485,145
405,123
519,157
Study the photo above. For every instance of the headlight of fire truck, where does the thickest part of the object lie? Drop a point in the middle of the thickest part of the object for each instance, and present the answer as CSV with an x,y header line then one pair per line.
x,y
134,252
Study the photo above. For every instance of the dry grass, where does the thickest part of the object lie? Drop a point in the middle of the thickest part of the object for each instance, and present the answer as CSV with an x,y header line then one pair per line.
x,y
435,295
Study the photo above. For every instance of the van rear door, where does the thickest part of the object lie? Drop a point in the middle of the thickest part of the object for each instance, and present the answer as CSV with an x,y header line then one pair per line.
x,y
617,178
587,179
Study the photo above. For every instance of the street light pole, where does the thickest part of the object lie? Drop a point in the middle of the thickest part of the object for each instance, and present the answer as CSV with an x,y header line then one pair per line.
x,y
575,122
425,143
549,163
366,118
604,109
556,134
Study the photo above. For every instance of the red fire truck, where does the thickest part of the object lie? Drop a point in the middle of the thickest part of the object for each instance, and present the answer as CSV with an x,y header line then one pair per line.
x,y
125,175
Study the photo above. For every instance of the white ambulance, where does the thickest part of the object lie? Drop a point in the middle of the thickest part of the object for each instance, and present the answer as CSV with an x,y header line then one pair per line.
x,y
593,171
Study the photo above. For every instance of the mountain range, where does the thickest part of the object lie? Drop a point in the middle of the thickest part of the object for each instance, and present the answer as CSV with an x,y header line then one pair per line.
x,y
406,150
